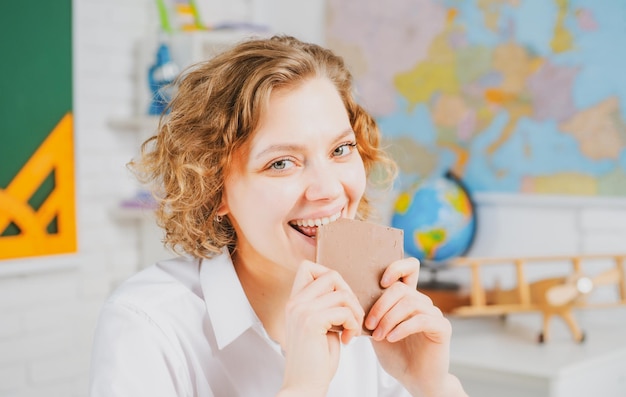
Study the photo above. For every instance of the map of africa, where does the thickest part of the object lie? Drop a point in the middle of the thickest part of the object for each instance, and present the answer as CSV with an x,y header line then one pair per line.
x,y
513,96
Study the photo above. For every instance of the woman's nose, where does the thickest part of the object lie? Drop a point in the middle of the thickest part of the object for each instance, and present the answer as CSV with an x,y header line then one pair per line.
x,y
324,182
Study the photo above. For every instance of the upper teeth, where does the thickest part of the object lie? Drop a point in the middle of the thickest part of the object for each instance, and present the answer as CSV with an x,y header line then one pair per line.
x,y
318,221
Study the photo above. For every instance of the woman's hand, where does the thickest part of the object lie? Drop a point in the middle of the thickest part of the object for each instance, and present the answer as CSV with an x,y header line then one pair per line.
x,y
320,300
411,336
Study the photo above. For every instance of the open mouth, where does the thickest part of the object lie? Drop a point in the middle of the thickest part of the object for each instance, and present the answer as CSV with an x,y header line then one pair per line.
x,y
308,227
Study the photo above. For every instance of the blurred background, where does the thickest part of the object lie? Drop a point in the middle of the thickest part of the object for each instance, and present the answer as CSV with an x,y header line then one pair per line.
x,y
520,103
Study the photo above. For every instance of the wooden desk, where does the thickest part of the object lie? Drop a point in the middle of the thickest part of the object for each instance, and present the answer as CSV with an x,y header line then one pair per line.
x,y
501,358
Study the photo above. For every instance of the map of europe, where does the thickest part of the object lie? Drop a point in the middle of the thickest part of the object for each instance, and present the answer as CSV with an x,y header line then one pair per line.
x,y
513,96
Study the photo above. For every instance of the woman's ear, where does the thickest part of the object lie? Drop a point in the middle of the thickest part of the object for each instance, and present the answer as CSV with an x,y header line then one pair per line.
x,y
222,209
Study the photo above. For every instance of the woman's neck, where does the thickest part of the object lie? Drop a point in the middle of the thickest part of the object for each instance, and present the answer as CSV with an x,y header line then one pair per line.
x,y
267,287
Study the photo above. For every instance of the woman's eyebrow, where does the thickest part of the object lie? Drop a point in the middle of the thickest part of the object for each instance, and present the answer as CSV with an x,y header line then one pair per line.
x,y
345,133
279,148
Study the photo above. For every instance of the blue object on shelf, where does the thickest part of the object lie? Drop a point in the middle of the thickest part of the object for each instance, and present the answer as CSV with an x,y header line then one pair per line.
x,y
160,76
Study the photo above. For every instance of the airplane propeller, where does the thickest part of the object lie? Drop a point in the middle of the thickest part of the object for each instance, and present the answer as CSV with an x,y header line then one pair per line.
x,y
579,285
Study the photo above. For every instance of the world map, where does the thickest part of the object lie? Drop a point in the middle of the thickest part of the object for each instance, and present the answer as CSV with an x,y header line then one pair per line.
x,y
512,96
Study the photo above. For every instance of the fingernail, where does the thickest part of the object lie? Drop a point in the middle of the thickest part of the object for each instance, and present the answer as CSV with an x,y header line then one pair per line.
x,y
391,337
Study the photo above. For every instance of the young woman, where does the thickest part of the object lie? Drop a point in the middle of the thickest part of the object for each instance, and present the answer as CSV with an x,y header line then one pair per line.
x,y
263,144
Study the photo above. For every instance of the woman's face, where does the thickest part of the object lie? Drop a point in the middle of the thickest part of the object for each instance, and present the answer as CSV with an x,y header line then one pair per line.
x,y
302,170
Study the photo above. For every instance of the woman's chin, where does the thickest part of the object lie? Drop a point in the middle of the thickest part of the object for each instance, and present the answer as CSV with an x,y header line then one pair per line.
x,y
303,247
309,251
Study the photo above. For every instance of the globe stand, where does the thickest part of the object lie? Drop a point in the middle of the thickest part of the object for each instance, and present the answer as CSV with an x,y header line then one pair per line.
x,y
433,283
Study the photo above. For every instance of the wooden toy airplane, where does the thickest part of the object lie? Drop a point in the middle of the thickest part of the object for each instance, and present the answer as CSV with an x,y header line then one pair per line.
x,y
555,296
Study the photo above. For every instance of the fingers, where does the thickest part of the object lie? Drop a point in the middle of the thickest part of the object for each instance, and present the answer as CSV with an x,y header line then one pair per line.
x,y
402,311
322,299
436,328
405,270
307,272
331,309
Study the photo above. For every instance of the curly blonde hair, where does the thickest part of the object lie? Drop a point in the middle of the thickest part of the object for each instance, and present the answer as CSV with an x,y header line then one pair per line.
x,y
215,111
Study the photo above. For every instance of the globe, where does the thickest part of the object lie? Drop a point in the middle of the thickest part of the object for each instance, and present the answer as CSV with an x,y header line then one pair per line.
x,y
438,218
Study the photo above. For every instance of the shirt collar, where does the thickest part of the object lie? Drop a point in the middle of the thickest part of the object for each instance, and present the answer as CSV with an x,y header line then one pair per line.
x,y
227,305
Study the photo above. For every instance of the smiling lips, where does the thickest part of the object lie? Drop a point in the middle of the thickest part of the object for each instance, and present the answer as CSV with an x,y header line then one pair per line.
x,y
308,227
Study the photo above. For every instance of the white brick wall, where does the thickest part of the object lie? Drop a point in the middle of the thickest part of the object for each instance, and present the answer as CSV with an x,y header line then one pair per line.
x,y
47,317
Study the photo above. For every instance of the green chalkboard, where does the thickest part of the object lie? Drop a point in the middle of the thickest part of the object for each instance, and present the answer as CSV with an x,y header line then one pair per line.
x,y
35,84
35,77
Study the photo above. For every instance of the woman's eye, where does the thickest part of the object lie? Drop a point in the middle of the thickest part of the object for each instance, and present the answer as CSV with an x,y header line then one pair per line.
x,y
281,164
344,149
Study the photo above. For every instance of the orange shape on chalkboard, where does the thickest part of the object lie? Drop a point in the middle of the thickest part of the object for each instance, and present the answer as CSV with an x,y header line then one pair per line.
x,y
54,157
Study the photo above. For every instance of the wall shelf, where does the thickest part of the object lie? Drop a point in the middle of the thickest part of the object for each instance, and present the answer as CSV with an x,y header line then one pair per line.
x,y
135,124
132,214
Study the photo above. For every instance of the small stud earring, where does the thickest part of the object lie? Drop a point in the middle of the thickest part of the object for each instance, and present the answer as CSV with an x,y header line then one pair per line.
x,y
218,218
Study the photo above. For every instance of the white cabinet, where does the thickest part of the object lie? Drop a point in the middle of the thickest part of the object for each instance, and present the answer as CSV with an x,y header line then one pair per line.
x,y
139,210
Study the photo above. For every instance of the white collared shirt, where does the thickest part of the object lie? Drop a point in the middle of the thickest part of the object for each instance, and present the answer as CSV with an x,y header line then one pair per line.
x,y
184,327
